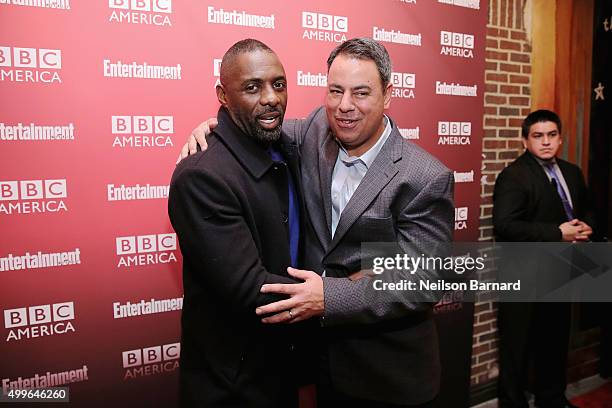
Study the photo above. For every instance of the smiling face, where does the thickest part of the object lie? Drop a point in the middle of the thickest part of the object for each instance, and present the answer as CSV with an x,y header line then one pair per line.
x,y
543,140
254,90
355,103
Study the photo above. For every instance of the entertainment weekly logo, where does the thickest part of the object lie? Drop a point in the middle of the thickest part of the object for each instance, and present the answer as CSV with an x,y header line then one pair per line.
x,y
472,4
461,218
37,260
151,360
455,89
38,321
52,4
142,131
136,192
456,44
410,133
324,27
396,37
464,177
37,65
239,18
142,70
46,380
146,307
404,85
143,250
36,132
146,12
454,133
317,79
33,196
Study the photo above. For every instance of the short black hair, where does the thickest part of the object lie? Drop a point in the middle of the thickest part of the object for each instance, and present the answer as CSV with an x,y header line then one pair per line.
x,y
239,48
365,49
541,115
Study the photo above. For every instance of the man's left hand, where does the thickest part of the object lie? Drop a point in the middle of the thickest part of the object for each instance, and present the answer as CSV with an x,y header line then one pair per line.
x,y
306,299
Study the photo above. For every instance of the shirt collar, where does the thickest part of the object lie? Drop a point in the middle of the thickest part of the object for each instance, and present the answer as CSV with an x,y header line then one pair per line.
x,y
368,157
545,163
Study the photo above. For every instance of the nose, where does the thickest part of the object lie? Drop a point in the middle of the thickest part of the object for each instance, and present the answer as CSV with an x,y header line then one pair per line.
x,y
346,103
269,96
545,140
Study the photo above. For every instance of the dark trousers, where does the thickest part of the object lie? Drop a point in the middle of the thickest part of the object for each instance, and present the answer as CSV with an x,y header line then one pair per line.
x,y
327,397
536,333
330,397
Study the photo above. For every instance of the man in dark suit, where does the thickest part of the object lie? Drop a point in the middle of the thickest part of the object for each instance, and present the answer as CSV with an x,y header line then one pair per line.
x,y
236,211
364,183
537,198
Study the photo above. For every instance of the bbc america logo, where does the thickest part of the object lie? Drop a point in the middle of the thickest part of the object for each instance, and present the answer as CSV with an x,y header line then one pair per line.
x,y
142,131
147,12
32,196
217,71
151,360
454,133
324,27
142,250
39,65
457,44
461,217
404,85
38,321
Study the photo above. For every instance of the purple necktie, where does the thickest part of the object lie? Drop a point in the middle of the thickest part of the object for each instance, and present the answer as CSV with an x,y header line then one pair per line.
x,y
555,181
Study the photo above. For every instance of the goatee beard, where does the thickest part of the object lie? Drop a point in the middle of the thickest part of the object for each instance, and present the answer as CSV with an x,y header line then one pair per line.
x,y
265,136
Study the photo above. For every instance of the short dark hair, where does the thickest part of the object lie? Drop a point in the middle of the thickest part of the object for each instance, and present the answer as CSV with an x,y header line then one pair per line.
x,y
365,49
541,115
241,47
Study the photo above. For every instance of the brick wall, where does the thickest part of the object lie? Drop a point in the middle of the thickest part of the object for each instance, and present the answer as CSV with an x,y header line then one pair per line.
x,y
507,101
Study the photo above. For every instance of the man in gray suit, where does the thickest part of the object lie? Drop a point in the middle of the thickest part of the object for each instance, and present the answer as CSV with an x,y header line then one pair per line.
x,y
364,183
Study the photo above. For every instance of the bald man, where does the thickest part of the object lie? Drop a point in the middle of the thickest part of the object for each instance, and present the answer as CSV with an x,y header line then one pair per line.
x,y
236,212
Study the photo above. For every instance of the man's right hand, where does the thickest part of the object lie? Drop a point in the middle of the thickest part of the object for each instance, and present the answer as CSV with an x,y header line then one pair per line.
x,y
575,230
197,137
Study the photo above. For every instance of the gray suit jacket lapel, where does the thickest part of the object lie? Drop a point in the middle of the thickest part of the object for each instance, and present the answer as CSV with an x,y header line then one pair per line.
x,y
383,169
327,160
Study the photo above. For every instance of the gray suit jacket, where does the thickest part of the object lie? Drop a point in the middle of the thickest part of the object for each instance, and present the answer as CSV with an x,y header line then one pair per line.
x,y
381,345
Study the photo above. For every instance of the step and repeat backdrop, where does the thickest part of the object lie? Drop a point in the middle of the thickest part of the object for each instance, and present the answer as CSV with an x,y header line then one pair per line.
x,y
96,99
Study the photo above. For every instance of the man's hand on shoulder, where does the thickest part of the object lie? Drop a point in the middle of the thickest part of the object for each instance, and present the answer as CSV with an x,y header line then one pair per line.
x,y
197,137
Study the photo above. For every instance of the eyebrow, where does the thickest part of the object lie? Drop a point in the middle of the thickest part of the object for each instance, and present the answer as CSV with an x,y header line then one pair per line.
x,y
261,81
355,88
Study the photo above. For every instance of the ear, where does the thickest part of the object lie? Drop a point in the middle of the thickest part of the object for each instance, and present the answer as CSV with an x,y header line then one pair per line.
x,y
221,96
524,140
387,95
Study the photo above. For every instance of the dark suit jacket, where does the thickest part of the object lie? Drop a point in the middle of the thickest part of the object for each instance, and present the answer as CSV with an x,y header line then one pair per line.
x,y
229,207
381,346
527,207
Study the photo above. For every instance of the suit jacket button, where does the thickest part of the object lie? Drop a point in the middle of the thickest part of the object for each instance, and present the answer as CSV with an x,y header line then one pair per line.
x,y
285,219
291,347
